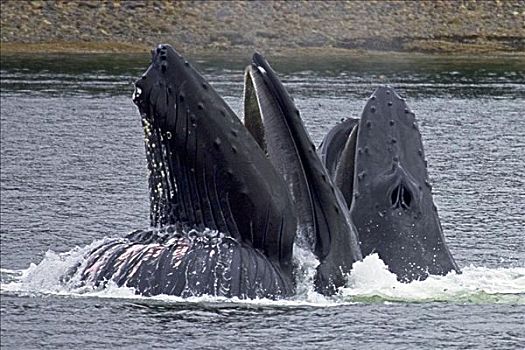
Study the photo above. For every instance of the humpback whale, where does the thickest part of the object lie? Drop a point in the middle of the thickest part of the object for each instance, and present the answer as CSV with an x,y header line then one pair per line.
x,y
228,201
382,172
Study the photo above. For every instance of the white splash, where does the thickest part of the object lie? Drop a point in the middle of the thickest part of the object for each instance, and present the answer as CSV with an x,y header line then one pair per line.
x,y
46,277
369,281
306,263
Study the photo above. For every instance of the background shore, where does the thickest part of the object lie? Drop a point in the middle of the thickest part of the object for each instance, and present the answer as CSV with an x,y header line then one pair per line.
x,y
449,27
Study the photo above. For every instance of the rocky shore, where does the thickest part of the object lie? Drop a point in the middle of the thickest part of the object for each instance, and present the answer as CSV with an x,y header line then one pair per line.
x,y
451,27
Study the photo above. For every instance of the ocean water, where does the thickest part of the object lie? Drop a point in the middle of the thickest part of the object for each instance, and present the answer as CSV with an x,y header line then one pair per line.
x,y
73,172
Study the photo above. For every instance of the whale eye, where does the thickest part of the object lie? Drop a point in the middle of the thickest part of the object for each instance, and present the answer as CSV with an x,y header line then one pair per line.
x,y
401,197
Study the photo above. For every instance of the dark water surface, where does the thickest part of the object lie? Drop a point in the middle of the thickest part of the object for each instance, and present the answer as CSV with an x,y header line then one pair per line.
x,y
73,171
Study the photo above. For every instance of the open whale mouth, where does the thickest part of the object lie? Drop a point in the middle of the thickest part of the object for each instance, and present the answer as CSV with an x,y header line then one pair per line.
x,y
268,115
256,102
208,170
324,223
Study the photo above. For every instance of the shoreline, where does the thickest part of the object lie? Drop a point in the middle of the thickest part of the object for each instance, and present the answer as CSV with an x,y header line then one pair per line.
x,y
493,28
79,48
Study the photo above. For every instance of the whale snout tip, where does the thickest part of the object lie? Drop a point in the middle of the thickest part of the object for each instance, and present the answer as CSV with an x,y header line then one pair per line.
x,y
164,52
260,63
386,93
384,90
257,57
